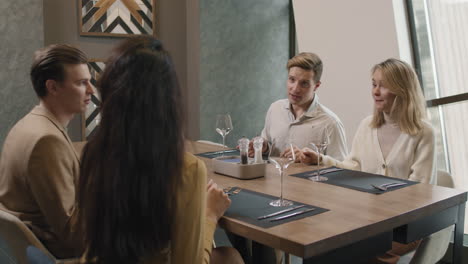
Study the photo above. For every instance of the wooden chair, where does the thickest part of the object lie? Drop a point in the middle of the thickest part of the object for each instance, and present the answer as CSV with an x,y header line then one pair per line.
x,y
18,244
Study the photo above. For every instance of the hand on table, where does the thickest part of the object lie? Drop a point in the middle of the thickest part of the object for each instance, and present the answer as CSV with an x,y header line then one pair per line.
x,y
288,153
309,156
217,202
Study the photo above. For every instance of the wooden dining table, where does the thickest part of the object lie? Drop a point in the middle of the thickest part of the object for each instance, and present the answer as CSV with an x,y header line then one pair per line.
x,y
358,225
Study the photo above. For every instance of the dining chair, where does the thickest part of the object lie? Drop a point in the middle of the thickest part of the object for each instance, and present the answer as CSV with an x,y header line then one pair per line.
x,y
432,248
19,245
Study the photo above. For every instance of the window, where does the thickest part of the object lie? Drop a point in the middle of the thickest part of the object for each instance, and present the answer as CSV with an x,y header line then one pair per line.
x,y
440,41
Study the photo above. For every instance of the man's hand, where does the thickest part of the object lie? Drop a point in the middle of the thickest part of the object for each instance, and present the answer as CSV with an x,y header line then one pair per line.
x,y
252,150
309,156
288,153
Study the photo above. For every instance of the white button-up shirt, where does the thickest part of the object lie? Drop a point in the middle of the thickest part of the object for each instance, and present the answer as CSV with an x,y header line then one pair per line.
x,y
280,124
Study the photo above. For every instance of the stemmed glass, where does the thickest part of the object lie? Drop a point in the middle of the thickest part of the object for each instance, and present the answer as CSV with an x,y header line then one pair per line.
x,y
223,127
320,146
281,163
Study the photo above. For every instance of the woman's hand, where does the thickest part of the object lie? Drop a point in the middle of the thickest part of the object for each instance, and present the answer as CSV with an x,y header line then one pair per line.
x,y
309,156
217,202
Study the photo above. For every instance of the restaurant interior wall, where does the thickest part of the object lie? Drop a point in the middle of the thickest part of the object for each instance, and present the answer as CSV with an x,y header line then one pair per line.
x,y
243,53
350,40
22,33
61,26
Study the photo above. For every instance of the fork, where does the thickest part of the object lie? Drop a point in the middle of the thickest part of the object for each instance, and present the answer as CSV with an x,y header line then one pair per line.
x,y
386,186
325,171
231,190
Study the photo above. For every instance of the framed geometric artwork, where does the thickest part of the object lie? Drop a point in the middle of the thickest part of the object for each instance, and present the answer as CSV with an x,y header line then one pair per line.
x,y
91,117
117,18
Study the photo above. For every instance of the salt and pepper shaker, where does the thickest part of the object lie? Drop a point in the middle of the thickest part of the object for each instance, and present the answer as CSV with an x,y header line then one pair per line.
x,y
258,146
244,149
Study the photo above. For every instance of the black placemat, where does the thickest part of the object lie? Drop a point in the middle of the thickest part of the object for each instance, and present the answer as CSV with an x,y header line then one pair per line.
x,y
215,154
357,180
248,205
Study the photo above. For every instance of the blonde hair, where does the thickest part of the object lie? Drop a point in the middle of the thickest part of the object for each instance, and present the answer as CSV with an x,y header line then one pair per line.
x,y
307,61
408,109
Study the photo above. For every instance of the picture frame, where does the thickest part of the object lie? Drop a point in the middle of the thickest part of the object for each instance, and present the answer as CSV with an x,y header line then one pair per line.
x,y
117,18
91,117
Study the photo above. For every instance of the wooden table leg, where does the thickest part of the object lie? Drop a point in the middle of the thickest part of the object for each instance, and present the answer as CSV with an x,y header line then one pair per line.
x,y
287,258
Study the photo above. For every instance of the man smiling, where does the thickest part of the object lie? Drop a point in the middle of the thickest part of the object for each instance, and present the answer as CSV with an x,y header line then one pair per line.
x,y
301,117
39,167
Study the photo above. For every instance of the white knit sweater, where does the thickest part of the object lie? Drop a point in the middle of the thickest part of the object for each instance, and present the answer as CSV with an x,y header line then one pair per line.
x,y
411,157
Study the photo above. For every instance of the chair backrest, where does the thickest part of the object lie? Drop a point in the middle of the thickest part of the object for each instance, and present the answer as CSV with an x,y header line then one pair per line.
x,y
433,248
17,241
444,179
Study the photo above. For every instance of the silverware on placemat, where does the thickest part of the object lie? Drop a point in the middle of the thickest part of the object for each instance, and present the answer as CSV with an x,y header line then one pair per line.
x,y
291,215
386,186
222,151
231,190
325,171
280,212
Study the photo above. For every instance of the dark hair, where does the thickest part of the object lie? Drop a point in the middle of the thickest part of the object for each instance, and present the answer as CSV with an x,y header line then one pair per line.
x,y
48,64
131,166
309,62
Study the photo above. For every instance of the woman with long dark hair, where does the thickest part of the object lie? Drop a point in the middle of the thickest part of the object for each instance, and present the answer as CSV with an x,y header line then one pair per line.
x,y
141,197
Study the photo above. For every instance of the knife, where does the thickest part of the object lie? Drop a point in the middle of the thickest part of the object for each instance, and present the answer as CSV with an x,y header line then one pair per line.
x,y
325,171
281,212
291,215
222,151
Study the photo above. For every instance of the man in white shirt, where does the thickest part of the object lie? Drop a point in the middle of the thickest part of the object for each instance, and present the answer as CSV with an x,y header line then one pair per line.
x,y
301,118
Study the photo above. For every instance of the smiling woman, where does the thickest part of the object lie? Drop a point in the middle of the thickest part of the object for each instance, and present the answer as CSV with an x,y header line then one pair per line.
x,y
383,97
396,140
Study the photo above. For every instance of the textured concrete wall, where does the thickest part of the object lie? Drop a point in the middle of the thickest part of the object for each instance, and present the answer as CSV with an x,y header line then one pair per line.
x,y
21,31
244,50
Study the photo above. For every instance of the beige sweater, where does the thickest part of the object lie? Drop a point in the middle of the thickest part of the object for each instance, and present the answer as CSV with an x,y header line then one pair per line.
x,y
411,157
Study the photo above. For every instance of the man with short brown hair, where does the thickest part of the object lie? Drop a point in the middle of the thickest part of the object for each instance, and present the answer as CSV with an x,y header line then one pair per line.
x,y
39,166
301,117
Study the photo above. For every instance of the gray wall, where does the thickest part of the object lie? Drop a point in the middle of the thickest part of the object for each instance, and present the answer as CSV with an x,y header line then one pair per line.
x,y
21,31
244,50
229,57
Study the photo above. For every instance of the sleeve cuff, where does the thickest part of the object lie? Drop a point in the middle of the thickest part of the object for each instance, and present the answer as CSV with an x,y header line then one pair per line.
x,y
328,161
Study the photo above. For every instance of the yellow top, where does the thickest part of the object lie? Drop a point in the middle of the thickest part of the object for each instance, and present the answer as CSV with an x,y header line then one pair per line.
x,y
192,234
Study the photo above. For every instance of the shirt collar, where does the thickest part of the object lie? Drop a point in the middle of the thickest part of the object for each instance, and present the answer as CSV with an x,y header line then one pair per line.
x,y
310,112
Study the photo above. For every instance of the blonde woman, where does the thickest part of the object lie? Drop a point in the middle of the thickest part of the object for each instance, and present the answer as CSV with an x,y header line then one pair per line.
x,y
396,140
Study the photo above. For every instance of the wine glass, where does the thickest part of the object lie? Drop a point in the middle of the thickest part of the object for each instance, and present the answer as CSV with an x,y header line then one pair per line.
x,y
281,162
223,127
320,146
